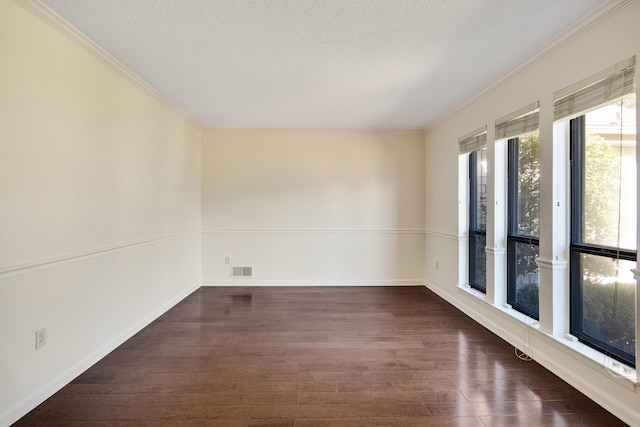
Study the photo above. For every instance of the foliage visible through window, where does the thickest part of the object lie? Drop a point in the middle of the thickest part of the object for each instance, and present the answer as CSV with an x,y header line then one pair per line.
x,y
478,219
603,227
523,224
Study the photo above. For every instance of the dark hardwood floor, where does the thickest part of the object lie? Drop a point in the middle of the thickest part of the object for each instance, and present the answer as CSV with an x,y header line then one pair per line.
x,y
316,357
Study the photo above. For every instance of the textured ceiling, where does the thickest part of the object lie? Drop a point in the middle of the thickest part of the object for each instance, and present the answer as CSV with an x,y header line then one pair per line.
x,y
321,63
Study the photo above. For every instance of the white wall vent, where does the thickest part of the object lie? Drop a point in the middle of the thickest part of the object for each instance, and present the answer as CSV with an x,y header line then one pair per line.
x,y
242,271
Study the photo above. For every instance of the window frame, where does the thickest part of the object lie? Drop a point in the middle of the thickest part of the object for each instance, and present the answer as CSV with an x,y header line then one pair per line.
x,y
577,247
513,237
474,231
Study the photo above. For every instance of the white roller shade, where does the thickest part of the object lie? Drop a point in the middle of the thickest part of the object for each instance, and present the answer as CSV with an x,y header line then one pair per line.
x,y
598,89
473,141
524,120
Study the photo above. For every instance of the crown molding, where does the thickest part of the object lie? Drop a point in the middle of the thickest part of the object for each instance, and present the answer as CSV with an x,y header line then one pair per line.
x,y
583,25
40,10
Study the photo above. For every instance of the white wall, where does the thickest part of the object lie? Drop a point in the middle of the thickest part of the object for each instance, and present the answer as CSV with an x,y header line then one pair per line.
x,y
313,206
609,42
101,206
100,209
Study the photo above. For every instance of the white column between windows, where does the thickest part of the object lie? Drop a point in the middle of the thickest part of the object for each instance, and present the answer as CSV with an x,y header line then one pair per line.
x,y
553,255
463,219
496,220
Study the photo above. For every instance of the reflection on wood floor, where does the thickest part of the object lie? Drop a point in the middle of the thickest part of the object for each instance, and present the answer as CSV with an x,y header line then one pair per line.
x,y
311,357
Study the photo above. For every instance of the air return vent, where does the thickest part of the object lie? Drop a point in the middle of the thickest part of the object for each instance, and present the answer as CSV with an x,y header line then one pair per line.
x,y
242,272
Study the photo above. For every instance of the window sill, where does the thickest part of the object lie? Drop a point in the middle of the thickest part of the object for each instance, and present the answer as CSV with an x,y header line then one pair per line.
x,y
473,292
624,374
616,369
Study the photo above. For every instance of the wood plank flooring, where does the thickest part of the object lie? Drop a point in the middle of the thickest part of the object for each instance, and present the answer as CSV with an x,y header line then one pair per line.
x,y
316,357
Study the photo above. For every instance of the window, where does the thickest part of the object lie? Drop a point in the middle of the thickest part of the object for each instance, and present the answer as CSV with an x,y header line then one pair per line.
x,y
478,219
603,199
523,183
474,148
523,206
603,228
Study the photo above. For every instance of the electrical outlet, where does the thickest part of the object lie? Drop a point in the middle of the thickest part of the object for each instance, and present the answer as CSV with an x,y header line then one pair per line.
x,y
41,338
226,260
437,265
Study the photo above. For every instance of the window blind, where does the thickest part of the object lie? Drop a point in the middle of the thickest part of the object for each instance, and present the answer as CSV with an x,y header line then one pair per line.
x,y
598,89
473,141
525,120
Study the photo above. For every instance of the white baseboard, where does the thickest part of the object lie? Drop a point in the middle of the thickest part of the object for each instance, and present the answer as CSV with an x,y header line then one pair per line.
x,y
19,410
256,282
